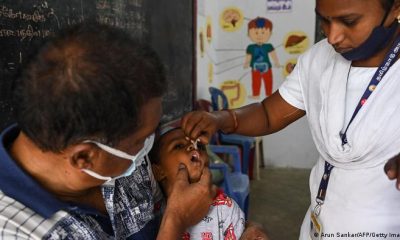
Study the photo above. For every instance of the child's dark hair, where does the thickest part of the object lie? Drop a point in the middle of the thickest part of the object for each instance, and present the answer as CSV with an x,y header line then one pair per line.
x,y
154,153
90,81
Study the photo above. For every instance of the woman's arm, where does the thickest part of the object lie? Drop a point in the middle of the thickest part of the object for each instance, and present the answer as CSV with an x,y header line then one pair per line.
x,y
266,117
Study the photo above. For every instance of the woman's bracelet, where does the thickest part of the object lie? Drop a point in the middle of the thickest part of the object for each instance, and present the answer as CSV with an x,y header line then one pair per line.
x,y
232,113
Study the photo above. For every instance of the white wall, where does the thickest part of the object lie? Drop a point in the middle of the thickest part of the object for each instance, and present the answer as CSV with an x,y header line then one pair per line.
x,y
292,147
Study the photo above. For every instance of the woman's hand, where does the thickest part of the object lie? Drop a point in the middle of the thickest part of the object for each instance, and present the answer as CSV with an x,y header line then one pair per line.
x,y
392,169
200,124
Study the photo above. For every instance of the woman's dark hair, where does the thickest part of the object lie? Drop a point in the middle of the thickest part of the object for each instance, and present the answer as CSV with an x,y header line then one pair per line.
x,y
90,81
387,4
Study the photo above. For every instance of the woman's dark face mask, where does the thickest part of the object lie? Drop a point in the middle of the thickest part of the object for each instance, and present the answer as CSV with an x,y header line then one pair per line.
x,y
378,39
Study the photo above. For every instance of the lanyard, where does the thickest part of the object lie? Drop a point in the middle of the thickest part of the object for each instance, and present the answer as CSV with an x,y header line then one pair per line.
x,y
389,60
323,185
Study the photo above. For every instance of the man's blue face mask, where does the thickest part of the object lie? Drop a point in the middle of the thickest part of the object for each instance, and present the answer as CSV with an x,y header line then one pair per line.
x,y
378,39
148,144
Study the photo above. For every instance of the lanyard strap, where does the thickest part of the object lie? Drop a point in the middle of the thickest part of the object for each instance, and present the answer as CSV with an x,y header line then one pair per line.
x,y
323,185
389,60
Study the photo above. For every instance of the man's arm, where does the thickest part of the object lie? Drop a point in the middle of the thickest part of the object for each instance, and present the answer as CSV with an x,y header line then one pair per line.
x,y
187,204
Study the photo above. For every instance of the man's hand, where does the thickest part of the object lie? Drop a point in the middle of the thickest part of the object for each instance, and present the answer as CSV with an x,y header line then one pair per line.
x,y
254,231
187,204
392,169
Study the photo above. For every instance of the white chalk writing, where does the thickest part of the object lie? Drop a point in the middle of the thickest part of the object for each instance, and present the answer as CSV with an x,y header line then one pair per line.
x,y
12,14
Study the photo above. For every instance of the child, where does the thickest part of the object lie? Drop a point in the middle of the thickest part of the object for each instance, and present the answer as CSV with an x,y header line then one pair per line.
x,y
225,219
257,55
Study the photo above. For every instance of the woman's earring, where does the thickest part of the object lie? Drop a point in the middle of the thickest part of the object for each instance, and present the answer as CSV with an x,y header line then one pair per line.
x,y
398,19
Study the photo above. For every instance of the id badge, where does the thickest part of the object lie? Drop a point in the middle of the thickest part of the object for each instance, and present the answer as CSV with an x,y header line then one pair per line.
x,y
315,227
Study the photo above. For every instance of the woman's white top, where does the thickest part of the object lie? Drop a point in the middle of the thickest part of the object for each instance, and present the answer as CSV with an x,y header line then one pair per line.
x,y
361,202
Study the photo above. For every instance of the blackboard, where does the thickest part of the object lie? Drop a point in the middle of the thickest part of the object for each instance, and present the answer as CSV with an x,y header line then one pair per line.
x,y
167,25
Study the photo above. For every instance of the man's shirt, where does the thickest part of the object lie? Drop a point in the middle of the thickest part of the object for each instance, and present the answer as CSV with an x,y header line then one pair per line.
x,y
28,211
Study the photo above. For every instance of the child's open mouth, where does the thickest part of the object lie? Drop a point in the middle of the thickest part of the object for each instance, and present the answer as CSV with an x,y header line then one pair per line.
x,y
195,157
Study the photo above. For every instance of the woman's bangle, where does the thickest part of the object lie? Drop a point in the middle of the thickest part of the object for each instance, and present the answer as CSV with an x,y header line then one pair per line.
x,y
233,115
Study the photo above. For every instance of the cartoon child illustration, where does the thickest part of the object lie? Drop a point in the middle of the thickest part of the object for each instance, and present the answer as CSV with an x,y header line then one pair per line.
x,y
259,32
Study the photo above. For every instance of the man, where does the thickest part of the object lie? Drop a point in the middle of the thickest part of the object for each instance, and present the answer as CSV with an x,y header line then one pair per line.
x,y
74,165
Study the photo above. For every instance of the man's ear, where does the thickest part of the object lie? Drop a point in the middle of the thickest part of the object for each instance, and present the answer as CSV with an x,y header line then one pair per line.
x,y
158,172
82,155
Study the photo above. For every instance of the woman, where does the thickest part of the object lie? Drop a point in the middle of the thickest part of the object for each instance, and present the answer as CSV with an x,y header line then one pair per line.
x,y
347,86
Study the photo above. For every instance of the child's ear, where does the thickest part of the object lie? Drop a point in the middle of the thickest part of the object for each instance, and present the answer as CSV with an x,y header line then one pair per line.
x,y
158,172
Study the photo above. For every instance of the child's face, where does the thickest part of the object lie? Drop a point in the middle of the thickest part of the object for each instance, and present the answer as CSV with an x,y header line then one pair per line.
x,y
259,35
175,149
